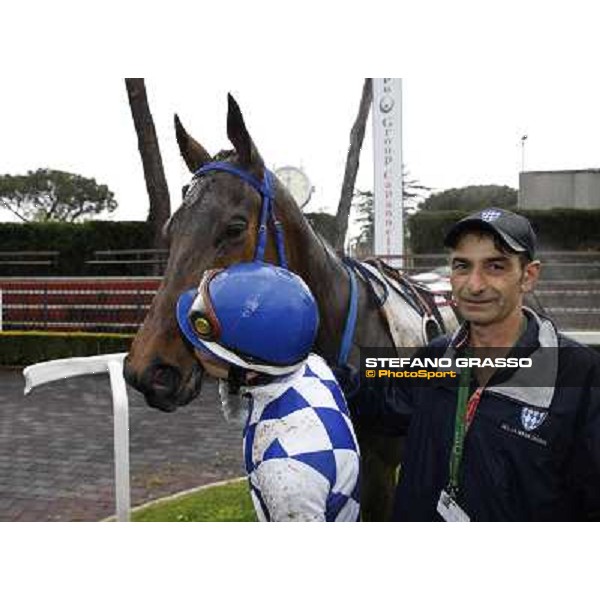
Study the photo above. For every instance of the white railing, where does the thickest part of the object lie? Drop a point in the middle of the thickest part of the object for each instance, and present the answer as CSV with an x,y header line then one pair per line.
x,y
46,372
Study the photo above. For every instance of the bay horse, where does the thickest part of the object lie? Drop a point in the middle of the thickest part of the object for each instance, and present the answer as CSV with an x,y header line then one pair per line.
x,y
218,225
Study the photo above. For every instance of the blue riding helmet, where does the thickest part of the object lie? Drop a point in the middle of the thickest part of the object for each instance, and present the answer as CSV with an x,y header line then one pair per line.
x,y
255,315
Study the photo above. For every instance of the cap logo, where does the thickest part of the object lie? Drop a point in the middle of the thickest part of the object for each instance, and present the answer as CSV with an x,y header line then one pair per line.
x,y
490,215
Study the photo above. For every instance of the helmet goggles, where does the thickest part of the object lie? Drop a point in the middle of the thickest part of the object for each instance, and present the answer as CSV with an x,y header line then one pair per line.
x,y
202,316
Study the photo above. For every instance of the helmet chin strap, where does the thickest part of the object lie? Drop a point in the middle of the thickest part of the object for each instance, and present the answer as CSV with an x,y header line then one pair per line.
x,y
236,378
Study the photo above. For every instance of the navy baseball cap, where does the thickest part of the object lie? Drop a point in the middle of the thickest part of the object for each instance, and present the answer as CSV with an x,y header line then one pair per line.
x,y
514,230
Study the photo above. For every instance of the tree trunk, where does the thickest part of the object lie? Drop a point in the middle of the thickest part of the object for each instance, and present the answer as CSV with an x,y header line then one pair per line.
x,y
154,174
357,136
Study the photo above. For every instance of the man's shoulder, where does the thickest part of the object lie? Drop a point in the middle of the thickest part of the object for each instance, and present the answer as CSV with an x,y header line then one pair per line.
x,y
565,341
578,355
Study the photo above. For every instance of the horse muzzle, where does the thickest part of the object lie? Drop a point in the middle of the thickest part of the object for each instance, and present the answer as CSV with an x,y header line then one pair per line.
x,y
163,386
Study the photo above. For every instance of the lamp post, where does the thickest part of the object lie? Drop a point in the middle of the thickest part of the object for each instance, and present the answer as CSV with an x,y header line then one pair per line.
x,y
523,140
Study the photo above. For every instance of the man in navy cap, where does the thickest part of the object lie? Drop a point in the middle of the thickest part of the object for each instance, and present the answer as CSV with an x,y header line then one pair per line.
x,y
497,444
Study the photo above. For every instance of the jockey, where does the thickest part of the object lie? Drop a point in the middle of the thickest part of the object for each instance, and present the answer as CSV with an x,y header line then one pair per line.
x,y
252,326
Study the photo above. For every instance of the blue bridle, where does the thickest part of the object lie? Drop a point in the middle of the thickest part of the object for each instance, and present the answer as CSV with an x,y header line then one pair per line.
x,y
266,191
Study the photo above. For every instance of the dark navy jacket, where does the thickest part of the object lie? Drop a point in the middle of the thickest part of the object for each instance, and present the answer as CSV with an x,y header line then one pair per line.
x,y
531,454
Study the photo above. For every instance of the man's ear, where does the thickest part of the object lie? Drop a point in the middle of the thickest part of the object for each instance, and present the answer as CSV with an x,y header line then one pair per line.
x,y
531,275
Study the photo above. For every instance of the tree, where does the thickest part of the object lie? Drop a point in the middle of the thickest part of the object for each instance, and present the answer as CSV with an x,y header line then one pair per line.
x,y
48,195
472,198
413,196
154,174
357,136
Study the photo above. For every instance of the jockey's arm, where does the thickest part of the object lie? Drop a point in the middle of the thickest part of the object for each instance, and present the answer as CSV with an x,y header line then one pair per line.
x,y
291,490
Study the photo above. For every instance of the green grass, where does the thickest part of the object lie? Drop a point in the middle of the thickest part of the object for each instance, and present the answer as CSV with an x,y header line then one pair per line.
x,y
230,502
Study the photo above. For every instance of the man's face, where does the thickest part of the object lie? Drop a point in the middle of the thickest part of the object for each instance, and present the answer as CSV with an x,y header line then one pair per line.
x,y
488,286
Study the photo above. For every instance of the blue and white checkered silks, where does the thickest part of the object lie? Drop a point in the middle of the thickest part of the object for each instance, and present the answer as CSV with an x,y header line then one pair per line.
x,y
531,419
301,453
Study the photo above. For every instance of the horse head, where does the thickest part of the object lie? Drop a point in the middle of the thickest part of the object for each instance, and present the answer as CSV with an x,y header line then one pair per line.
x,y
217,225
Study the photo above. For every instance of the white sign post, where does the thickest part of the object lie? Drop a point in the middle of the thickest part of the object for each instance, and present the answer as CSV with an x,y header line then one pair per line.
x,y
387,147
53,370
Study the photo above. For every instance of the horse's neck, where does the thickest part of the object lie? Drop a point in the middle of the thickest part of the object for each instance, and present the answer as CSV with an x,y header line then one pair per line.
x,y
328,279
326,276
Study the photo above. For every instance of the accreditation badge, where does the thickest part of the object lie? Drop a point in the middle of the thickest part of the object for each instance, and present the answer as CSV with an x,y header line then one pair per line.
x,y
449,509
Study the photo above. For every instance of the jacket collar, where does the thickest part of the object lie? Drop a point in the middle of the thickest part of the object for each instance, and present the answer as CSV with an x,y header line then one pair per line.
x,y
539,335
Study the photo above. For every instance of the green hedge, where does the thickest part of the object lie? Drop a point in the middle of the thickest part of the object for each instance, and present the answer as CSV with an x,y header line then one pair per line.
x,y
29,347
76,243
558,229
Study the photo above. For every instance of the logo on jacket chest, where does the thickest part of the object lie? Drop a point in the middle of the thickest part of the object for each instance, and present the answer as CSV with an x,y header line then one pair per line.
x,y
527,423
531,419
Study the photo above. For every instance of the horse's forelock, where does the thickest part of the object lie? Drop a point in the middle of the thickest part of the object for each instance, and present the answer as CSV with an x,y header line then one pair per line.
x,y
194,191
224,156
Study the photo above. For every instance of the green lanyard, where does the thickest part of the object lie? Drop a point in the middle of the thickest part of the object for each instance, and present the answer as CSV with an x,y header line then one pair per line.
x,y
460,421
460,428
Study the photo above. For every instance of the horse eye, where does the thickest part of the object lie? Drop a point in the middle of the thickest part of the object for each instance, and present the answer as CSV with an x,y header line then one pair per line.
x,y
184,190
236,228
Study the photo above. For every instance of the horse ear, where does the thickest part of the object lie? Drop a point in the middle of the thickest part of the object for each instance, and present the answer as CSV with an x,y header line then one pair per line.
x,y
240,138
192,152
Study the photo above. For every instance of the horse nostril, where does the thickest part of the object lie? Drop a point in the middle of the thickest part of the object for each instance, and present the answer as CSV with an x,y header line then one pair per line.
x,y
165,379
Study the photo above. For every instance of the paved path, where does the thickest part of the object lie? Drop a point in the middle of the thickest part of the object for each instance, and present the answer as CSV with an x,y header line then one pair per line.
x,y
56,449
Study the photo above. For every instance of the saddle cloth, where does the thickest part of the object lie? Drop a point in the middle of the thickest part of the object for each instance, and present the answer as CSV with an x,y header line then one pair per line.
x,y
408,325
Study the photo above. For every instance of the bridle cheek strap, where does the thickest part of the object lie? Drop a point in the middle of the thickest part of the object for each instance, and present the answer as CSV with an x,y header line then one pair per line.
x,y
267,194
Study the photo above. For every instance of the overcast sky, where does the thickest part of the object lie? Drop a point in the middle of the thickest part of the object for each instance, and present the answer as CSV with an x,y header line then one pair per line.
x,y
458,130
